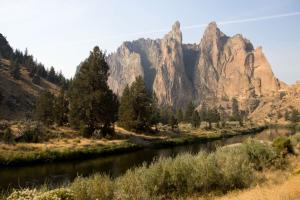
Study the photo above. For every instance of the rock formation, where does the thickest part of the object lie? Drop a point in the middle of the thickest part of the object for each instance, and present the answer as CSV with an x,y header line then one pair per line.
x,y
215,70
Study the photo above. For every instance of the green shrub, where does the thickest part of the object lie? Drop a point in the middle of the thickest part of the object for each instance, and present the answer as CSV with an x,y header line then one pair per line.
x,y
283,145
295,139
262,155
235,168
85,131
94,187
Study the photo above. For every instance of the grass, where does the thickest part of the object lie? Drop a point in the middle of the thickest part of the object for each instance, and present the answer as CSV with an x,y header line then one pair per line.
x,y
227,169
25,154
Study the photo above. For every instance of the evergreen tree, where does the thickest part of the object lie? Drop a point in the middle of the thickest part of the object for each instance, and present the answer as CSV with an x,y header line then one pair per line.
x,y
189,112
213,116
36,79
203,113
126,112
51,75
235,110
196,121
155,116
44,108
14,69
165,114
61,108
173,122
295,116
179,115
92,104
136,107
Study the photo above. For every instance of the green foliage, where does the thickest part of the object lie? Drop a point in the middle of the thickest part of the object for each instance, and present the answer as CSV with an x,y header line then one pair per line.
x,y
91,101
36,80
283,145
136,107
61,108
235,168
44,108
263,156
173,122
32,134
235,115
165,114
14,69
226,169
196,121
295,116
179,115
95,187
190,108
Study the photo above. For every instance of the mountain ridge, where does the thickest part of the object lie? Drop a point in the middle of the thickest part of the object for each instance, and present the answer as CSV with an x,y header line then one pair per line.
x,y
219,67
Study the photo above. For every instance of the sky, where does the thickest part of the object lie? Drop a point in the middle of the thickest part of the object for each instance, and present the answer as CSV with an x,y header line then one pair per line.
x,y
61,33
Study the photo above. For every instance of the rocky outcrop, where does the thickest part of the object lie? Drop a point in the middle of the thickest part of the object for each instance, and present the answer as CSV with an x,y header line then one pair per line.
x,y
215,70
160,62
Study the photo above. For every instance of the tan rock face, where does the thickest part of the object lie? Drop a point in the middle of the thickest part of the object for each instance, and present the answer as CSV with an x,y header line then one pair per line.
x,y
216,69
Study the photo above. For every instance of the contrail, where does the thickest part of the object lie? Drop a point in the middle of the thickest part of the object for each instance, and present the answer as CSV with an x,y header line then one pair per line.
x,y
236,21
164,30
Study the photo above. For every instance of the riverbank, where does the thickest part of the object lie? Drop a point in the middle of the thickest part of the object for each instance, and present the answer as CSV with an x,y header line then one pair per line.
x,y
228,171
70,146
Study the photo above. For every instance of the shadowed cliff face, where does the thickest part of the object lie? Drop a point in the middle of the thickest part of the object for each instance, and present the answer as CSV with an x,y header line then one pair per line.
x,y
218,68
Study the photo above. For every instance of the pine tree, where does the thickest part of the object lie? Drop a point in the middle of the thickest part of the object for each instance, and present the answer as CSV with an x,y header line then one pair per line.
x,y
189,112
126,112
92,103
173,122
196,121
136,107
179,115
155,115
295,116
14,69
61,108
44,108
235,110
51,75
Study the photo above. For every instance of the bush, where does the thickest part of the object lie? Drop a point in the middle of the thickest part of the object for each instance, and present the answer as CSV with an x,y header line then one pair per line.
x,y
235,168
86,131
33,134
262,155
283,145
95,187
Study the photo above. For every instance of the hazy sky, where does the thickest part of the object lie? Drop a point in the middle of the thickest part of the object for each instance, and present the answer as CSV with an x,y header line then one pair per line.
x,y
61,33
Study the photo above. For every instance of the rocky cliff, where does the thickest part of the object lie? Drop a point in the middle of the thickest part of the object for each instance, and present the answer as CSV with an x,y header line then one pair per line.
x,y
215,70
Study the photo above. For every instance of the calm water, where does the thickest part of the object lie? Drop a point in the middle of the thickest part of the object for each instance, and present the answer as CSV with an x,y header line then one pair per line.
x,y
64,172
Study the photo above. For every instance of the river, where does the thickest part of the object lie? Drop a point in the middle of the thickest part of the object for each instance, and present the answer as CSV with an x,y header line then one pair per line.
x,y
64,172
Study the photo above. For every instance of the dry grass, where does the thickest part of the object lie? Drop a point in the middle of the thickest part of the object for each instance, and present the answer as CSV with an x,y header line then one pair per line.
x,y
289,190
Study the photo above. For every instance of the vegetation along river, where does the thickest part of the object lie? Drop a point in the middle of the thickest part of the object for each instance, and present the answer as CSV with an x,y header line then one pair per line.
x,y
115,165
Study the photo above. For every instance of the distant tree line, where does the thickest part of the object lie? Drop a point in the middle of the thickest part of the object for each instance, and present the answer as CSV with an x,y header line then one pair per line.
x,y
36,69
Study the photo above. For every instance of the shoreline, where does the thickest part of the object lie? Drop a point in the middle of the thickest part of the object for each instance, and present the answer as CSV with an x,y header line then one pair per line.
x,y
19,158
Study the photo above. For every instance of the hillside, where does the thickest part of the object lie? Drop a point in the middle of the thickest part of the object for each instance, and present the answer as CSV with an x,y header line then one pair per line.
x,y
19,95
